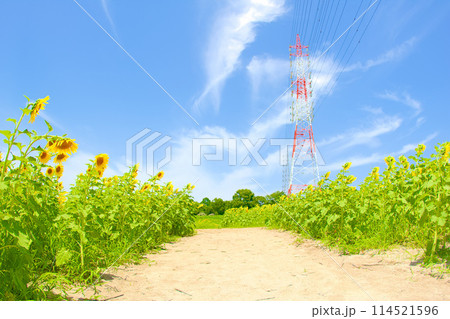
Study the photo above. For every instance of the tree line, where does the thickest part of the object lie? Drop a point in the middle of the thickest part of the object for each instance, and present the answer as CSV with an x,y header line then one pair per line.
x,y
242,198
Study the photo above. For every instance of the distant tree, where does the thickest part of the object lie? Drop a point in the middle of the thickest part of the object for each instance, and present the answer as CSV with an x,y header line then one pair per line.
x,y
206,201
274,197
206,208
243,198
218,206
259,201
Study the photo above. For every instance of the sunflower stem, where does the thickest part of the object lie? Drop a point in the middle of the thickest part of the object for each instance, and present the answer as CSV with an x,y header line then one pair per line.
x,y
10,143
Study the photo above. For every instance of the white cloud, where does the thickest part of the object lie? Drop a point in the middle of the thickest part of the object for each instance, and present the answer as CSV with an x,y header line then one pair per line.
x,y
405,99
220,178
232,32
108,15
368,136
267,70
389,56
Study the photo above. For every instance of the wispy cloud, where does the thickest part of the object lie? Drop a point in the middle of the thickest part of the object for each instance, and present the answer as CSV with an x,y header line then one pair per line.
x,y
405,99
368,136
394,54
267,70
230,35
376,157
108,15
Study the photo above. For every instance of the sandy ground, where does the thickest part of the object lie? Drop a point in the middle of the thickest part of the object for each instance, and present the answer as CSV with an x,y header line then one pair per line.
x,y
261,264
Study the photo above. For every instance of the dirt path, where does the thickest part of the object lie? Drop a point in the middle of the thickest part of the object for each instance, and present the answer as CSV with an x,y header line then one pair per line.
x,y
261,264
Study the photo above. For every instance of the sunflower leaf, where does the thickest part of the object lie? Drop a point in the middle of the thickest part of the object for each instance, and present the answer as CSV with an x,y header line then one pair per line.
x,y
50,128
62,257
6,133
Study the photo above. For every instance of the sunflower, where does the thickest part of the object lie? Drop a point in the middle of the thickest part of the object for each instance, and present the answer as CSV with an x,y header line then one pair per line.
x,y
160,175
66,146
420,149
59,169
38,105
347,166
44,157
60,158
62,198
100,172
375,170
389,160
327,175
351,179
50,171
145,187
101,161
135,170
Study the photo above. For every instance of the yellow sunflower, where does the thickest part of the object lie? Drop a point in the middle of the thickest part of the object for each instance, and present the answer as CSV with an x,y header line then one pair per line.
x,y
44,157
375,170
145,187
135,170
327,175
59,170
60,158
62,198
347,166
351,179
66,146
100,172
421,148
160,175
101,161
50,171
38,105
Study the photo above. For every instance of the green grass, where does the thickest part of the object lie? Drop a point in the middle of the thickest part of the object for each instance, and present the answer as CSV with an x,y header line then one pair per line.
x,y
208,222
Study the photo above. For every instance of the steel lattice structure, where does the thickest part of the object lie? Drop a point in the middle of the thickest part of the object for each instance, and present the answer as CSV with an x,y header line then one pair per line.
x,y
302,167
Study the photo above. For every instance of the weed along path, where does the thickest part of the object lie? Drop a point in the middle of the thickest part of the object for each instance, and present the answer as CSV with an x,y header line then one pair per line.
x,y
262,264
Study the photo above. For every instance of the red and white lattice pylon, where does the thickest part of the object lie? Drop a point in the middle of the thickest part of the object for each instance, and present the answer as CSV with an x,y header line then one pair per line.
x,y
302,167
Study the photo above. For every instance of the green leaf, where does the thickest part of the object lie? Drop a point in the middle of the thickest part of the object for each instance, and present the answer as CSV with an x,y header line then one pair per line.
x,y
50,128
12,120
23,240
342,202
62,257
6,133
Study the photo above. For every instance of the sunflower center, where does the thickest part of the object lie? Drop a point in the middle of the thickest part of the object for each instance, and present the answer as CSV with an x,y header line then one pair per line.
x,y
65,145
100,161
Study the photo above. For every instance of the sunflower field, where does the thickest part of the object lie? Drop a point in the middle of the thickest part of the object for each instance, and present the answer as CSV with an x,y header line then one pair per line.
x,y
51,239
258,216
406,204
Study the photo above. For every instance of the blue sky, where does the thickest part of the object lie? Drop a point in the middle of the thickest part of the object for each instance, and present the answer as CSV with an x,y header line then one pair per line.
x,y
225,62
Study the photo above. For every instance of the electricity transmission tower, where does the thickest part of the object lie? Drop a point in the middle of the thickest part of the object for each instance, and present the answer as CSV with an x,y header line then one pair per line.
x,y
301,167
